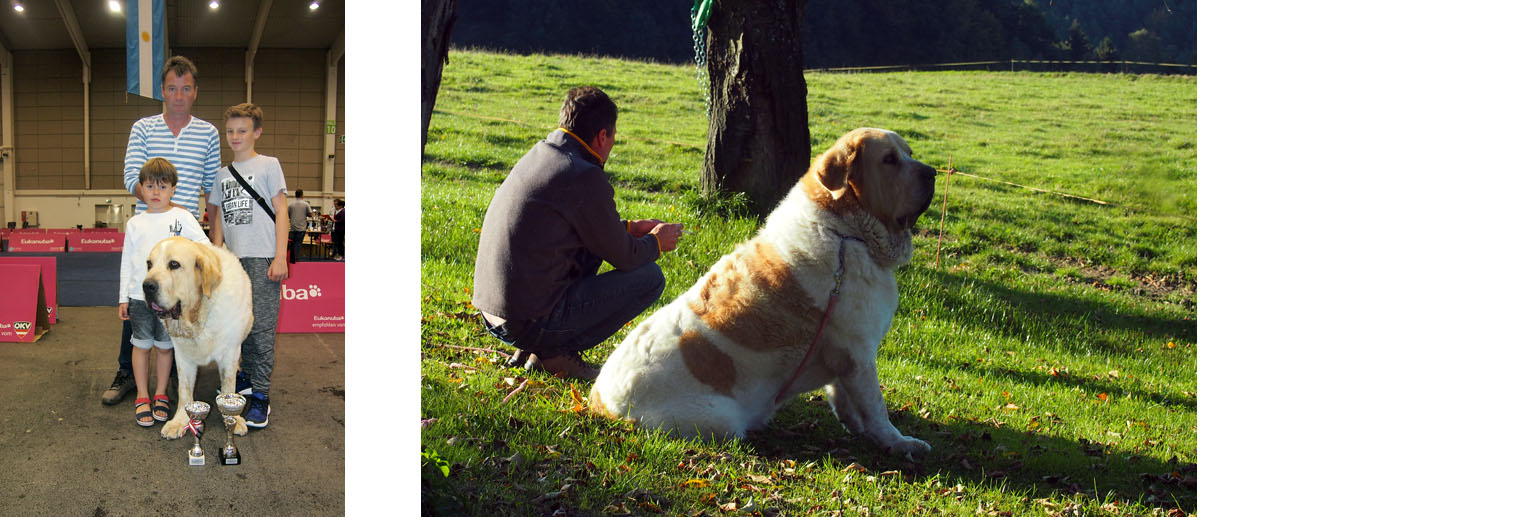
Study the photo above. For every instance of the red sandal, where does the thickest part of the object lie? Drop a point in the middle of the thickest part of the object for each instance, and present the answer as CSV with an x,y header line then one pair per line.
x,y
141,412
162,408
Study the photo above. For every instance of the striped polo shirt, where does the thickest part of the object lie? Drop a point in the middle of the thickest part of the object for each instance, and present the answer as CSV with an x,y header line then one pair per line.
x,y
194,152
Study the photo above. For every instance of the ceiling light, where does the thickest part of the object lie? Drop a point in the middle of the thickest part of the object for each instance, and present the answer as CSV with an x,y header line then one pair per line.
x,y
314,5
213,5
114,6
16,4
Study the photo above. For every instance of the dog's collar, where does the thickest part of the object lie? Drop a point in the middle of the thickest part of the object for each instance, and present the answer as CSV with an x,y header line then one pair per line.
x,y
837,287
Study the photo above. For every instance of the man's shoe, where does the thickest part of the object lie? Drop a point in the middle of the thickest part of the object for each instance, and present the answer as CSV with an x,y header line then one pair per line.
x,y
257,410
242,385
520,358
121,386
570,366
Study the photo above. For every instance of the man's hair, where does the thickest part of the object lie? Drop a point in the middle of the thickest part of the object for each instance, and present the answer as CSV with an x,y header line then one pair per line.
x,y
299,193
588,110
180,65
340,202
157,170
247,110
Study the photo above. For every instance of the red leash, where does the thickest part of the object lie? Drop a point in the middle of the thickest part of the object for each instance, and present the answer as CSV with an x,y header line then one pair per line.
x,y
837,286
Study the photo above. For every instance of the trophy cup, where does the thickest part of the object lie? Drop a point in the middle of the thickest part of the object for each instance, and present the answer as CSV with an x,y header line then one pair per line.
x,y
197,411
230,405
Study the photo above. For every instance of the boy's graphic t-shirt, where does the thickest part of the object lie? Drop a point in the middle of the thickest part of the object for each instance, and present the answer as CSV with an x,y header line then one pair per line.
x,y
248,230
144,231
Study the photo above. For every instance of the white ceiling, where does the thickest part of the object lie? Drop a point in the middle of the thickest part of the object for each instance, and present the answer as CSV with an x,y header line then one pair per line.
x,y
191,23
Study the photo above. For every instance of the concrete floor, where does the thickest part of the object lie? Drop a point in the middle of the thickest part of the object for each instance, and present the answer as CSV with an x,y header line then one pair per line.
x,y
62,452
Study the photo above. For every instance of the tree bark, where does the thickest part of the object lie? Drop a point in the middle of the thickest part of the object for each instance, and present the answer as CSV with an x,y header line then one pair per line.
x,y
437,17
759,141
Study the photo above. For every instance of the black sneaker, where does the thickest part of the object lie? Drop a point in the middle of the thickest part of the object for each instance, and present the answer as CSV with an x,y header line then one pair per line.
x,y
121,386
256,411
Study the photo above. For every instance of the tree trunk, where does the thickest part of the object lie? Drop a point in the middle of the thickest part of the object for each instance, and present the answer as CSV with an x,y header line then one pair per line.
x,y
437,17
759,140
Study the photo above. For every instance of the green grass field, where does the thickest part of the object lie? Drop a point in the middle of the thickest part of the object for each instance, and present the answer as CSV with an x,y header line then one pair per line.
x,y
1047,353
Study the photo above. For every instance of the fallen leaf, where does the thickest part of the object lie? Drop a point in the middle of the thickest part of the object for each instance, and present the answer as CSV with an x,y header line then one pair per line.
x,y
1010,406
694,483
1171,345
1104,397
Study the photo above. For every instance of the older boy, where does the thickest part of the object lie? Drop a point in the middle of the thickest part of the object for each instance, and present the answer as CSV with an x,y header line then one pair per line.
x,y
242,214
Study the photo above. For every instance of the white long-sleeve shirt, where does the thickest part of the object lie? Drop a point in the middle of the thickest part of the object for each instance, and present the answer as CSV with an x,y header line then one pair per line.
x,y
144,232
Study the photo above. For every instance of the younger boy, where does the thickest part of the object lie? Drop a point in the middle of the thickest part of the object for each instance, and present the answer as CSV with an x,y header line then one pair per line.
x,y
158,222
259,236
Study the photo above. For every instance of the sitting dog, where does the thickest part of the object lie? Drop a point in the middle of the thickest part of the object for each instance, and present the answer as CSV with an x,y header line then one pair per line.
x,y
203,296
723,357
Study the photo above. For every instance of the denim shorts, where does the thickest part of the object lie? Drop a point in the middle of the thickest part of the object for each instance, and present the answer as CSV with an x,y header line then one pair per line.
x,y
148,330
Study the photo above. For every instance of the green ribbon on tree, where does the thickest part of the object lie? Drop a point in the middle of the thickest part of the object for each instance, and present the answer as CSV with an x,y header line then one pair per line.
x,y
700,13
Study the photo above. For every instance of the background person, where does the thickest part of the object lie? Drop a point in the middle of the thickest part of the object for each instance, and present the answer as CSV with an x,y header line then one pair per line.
x,y
339,229
298,223
548,228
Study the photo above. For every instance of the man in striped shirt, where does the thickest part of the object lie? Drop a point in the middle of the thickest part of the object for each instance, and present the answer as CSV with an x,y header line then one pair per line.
x,y
189,143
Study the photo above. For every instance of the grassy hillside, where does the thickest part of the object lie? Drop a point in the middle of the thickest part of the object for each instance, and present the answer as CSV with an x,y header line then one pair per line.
x,y
1048,354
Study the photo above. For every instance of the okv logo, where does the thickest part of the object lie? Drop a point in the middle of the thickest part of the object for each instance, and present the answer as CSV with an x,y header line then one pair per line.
x,y
22,328
301,293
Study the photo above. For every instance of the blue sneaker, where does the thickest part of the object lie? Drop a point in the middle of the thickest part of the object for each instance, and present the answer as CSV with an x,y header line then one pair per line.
x,y
256,411
242,385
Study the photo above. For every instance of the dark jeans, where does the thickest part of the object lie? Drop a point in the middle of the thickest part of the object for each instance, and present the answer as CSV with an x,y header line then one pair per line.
x,y
295,242
125,353
590,311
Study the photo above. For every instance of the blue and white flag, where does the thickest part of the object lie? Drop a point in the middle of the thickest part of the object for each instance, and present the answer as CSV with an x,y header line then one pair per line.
x,y
146,46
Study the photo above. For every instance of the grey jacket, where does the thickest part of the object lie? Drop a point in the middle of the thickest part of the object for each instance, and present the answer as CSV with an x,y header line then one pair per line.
x,y
551,219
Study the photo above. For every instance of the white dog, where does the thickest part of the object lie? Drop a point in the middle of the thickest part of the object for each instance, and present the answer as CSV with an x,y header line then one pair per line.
x,y
204,298
723,357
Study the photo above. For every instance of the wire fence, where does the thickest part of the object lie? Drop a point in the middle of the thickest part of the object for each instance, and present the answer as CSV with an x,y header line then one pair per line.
x,y
1038,65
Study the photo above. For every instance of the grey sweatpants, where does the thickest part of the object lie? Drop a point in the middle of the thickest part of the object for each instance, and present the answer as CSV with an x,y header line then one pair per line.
x,y
259,348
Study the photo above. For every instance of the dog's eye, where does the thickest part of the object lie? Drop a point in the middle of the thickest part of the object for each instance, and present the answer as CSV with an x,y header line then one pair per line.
x,y
149,265
890,158
173,265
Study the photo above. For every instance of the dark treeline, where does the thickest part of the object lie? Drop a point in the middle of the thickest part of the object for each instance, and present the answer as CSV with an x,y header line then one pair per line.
x,y
853,33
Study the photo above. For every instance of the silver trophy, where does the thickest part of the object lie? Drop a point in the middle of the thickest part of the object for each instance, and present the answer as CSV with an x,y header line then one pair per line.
x,y
230,405
196,411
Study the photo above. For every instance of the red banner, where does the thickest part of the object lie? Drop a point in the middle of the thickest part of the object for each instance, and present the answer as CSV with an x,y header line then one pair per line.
x,y
314,298
37,242
23,316
96,241
49,267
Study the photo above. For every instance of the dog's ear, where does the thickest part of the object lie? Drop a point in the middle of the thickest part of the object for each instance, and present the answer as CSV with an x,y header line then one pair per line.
x,y
209,270
834,166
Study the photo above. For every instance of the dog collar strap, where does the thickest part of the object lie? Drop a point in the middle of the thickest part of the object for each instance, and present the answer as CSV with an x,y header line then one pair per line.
x,y
583,144
837,287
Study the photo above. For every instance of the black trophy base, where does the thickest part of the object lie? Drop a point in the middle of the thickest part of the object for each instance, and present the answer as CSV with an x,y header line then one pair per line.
x,y
231,459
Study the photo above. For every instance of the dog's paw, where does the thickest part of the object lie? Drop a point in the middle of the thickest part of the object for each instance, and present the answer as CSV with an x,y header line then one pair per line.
x,y
909,448
174,429
240,427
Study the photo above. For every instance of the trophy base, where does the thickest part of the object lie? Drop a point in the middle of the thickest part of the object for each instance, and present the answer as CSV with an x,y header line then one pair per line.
x,y
196,460
233,459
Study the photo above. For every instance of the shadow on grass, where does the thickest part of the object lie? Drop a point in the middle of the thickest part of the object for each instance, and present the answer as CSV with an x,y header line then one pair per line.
x,y
1026,378
1066,311
982,452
